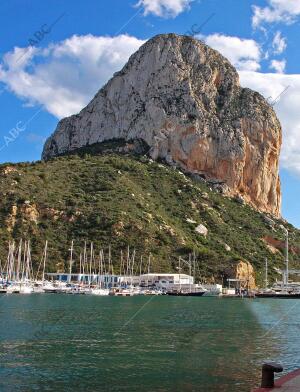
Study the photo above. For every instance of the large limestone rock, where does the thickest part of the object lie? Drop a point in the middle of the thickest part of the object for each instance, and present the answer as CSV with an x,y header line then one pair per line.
x,y
184,100
245,273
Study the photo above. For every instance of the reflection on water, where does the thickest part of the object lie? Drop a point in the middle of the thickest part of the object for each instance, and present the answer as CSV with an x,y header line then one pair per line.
x,y
77,343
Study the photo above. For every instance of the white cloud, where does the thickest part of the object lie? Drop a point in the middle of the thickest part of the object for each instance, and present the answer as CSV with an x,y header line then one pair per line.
x,y
285,11
65,76
284,92
164,8
279,43
244,54
278,66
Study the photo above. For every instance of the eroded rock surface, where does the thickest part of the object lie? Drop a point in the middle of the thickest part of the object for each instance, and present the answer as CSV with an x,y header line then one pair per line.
x,y
184,100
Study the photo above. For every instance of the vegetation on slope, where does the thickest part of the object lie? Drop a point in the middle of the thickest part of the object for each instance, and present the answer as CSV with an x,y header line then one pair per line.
x,y
128,200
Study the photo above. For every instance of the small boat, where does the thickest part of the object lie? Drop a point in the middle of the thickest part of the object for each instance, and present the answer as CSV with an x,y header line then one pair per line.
x,y
121,292
151,292
13,289
48,290
98,291
53,288
38,287
26,289
77,291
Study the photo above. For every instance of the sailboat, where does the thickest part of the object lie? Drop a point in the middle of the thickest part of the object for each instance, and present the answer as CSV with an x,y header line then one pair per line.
x,y
39,285
12,286
99,290
26,286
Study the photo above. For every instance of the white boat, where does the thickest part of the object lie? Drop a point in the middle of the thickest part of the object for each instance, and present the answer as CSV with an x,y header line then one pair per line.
x,y
212,290
151,292
56,287
121,292
38,287
98,291
13,289
26,289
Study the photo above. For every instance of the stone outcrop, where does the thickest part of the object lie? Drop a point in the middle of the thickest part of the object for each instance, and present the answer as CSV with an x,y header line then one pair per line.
x,y
245,273
183,99
11,219
201,229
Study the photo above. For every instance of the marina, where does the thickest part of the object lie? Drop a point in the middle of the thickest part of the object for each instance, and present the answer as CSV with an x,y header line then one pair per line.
x,y
95,274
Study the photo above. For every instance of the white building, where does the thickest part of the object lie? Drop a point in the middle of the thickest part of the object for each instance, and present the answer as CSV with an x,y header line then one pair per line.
x,y
167,281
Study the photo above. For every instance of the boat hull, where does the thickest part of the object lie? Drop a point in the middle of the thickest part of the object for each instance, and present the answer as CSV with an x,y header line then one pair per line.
x,y
195,294
273,295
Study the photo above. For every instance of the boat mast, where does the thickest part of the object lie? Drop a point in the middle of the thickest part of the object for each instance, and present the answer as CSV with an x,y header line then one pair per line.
x,y
10,272
266,274
179,267
121,263
101,269
190,266
286,280
24,258
91,259
149,260
80,262
132,267
1,271
109,265
287,257
83,262
141,263
127,261
99,262
71,259
44,263
194,267
19,260
27,272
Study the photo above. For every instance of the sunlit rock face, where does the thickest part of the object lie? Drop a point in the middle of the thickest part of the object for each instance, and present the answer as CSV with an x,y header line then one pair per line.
x,y
184,100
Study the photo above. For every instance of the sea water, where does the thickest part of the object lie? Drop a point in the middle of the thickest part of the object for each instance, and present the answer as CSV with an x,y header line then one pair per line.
x,y
56,342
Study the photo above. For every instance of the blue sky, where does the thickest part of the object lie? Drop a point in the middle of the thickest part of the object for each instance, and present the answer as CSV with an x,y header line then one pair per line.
x,y
48,73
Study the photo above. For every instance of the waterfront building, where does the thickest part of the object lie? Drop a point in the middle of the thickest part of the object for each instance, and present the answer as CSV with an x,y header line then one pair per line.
x,y
162,281
87,279
167,281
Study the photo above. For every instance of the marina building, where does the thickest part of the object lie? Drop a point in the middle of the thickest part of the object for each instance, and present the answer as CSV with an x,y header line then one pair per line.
x,y
167,281
92,279
162,281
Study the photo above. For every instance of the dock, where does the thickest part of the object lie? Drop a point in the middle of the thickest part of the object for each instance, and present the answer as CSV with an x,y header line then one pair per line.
x,y
288,383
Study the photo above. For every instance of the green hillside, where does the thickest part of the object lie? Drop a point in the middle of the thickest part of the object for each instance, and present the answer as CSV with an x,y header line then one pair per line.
x,y
128,200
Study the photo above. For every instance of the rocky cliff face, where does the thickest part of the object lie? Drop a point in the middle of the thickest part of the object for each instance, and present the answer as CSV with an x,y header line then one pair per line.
x,y
184,100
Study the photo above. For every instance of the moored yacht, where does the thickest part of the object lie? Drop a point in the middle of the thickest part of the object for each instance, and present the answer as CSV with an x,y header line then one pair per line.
x,y
98,291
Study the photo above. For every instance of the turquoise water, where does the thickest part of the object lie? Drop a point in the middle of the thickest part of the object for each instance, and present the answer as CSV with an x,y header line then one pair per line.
x,y
83,343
